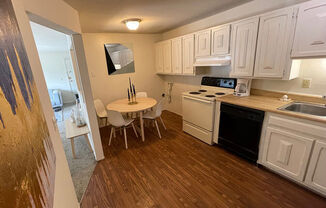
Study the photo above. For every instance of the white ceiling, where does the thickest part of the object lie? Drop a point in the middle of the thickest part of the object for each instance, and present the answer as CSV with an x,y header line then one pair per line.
x,y
157,15
47,39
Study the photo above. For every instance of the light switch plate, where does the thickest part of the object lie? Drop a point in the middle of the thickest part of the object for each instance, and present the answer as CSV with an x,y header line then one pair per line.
x,y
306,83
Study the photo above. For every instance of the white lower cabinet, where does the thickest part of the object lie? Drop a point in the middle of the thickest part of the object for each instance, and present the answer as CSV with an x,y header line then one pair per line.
x,y
295,148
287,152
316,175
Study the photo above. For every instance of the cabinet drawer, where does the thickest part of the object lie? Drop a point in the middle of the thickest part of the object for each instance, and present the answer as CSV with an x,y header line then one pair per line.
x,y
296,125
286,152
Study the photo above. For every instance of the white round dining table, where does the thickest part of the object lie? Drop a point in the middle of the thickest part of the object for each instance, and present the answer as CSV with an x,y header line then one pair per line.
x,y
122,106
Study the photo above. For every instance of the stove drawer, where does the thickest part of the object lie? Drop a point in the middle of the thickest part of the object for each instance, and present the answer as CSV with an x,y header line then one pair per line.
x,y
202,134
198,112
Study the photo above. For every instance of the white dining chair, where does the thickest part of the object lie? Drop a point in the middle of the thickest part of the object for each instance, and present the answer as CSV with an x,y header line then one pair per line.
x,y
100,110
116,120
141,94
153,115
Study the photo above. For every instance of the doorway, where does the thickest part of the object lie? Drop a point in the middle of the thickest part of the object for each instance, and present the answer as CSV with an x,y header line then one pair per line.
x,y
56,52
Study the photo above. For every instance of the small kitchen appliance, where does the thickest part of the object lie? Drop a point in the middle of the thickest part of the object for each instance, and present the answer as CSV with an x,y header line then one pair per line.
x,y
243,87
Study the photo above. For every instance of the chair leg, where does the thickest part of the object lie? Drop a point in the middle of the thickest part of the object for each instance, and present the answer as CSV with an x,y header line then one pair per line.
x,y
120,131
162,123
112,130
153,123
133,127
114,134
125,133
158,130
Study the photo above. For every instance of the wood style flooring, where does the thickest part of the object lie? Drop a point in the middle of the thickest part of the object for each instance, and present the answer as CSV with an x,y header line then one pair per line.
x,y
180,171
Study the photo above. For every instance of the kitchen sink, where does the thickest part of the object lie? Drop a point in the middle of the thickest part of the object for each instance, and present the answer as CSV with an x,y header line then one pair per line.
x,y
306,108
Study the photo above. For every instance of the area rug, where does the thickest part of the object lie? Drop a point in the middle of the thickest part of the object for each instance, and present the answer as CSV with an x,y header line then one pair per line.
x,y
82,167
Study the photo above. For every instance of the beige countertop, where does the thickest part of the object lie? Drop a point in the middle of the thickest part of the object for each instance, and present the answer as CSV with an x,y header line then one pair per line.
x,y
268,104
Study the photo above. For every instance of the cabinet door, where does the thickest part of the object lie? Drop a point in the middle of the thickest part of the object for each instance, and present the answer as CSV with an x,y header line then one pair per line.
x,y
203,43
188,50
316,175
310,35
159,57
276,31
221,40
177,56
286,152
244,37
167,68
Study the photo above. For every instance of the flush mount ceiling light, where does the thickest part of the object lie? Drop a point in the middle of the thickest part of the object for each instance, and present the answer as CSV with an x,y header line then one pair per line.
x,y
132,24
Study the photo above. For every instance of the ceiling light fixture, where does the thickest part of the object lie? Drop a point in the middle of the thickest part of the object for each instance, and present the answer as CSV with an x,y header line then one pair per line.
x,y
132,24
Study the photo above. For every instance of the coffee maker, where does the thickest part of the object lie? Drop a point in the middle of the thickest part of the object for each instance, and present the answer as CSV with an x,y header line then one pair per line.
x,y
243,87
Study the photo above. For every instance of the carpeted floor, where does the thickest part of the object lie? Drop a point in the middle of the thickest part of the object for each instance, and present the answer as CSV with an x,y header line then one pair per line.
x,y
82,167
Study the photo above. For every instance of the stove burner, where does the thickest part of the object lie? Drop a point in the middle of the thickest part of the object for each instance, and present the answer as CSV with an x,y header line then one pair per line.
x,y
194,93
210,96
202,90
220,93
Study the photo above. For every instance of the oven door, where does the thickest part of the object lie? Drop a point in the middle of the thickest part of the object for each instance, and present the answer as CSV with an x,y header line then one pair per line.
x,y
198,112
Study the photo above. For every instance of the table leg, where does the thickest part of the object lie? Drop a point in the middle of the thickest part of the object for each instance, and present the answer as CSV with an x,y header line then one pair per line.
x,y
73,148
142,125
88,142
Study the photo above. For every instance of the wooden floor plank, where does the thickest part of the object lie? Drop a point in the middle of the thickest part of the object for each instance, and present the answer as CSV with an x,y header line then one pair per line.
x,y
180,171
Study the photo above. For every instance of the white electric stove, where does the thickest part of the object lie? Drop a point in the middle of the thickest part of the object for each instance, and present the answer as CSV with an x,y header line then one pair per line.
x,y
200,110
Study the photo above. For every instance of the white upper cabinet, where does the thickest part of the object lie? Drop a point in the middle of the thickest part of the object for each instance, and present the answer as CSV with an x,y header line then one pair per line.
x,y
310,35
221,40
203,43
167,62
159,57
244,37
177,56
316,175
188,52
275,38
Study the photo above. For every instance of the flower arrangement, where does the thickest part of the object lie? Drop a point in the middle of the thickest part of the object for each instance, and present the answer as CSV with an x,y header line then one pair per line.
x,y
131,93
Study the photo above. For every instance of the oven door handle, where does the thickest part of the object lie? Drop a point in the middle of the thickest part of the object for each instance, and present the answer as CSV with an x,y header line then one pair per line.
x,y
200,100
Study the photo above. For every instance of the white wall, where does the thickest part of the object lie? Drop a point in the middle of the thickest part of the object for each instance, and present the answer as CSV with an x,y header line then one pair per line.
x,y
55,73
64,193
109,88
86,96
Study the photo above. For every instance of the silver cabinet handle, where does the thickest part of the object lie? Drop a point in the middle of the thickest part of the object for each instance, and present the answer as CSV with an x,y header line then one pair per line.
x,y
317,42
267,67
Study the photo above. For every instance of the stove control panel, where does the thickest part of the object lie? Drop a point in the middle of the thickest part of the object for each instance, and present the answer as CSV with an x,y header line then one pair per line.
x,y
219,82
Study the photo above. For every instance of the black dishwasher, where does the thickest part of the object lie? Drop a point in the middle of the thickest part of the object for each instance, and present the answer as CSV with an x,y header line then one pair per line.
x,y
240,130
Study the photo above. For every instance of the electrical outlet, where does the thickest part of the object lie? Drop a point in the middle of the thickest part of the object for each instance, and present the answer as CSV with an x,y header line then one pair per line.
x,y
306,83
